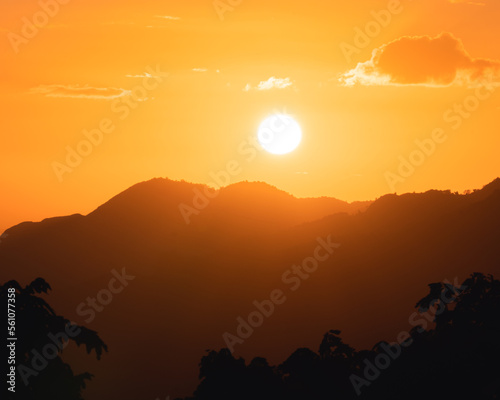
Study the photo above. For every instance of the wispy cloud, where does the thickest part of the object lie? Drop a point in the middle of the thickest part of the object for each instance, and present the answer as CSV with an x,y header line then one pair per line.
x,y
158,74
423,60
271,83
169,17
80,92
200,69
474,3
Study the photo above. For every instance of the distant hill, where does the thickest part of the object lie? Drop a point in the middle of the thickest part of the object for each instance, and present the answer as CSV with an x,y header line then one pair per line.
x,y
193,280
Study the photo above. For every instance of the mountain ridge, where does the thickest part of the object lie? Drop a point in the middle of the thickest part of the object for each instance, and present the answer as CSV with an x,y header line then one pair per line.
x,y
186,193
197,278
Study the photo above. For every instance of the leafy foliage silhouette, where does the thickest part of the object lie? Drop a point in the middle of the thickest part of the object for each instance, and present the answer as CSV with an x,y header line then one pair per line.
x,y
35,320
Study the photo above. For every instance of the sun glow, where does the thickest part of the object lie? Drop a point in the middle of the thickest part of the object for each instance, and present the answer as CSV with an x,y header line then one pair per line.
x,y
279,134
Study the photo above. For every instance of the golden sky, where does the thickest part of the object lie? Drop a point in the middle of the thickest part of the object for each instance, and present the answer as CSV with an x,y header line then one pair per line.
x,y
392,96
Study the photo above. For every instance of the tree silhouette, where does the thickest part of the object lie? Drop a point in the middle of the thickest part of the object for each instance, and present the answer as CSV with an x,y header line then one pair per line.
x,y
41,336
457,359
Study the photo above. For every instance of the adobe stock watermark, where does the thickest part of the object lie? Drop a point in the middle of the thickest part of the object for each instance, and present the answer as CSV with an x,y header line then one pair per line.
x,y
293,278
32,26
105,296
122,106
223,6
248,148
392,351
57,342
364,36
425,148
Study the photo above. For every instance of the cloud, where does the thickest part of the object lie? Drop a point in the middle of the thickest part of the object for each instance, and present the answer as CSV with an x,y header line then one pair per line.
x,y
148,75
169,17
474,3
271,83
79,92
423,60
200,69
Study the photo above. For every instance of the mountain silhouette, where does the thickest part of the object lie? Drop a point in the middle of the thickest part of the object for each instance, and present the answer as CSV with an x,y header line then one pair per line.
x,y
193,280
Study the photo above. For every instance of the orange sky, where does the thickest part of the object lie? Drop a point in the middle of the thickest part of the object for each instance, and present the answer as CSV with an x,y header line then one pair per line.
x,y
208,88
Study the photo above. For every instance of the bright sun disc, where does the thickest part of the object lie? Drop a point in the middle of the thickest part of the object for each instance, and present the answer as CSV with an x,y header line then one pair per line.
x,y
279,134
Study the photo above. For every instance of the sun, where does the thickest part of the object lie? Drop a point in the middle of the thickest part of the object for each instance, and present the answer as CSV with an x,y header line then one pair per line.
x,y
279,134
